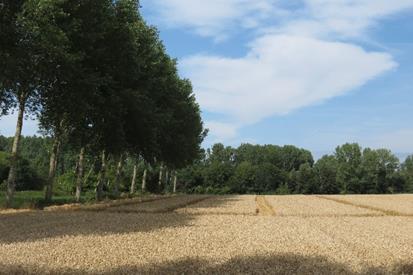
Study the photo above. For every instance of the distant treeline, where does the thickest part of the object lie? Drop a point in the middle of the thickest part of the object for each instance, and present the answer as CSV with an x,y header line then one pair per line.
x,y
225,170
290,170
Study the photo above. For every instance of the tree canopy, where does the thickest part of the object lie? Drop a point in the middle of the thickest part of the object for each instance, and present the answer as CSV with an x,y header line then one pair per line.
x,y
98,78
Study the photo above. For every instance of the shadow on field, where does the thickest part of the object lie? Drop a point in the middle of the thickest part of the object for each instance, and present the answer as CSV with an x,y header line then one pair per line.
x,y
275,264
35,225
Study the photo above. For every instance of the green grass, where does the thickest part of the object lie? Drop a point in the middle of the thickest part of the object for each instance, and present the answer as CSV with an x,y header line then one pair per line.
x,y
35,199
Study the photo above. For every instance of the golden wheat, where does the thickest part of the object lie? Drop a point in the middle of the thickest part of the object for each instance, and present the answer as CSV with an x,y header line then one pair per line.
x,y
301,205
193,240
402,204
224,205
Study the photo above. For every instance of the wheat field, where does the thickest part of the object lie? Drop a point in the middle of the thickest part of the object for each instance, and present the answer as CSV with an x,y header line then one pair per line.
x,y
214,235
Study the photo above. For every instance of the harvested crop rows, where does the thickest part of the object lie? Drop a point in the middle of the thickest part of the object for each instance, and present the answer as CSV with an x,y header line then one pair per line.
x,y
312,206
222,205
218,234
394,205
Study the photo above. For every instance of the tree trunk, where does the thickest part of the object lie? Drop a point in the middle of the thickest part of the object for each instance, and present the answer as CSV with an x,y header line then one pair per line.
x,y
166,177
62,166
80,173
85,181
52,168
145,172
160,174
132,186
118,176
11,181
101,178
175,181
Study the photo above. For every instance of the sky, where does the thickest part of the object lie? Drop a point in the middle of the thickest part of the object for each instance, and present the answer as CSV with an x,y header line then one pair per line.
x,y
312,73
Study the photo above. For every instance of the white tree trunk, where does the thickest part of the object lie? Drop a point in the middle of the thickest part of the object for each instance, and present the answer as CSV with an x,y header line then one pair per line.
x,y
80,174
52,168
11,181
132,186
102,178
166,177
160,174
145,172
118,176
175,181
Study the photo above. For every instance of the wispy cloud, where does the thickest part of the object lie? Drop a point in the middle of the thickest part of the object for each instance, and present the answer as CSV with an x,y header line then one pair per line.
x,y
214,18
217,18
341,19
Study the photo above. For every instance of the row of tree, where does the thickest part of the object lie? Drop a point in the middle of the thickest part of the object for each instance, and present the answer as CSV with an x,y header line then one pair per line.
x,y
136,175
290,170
100,82
221,170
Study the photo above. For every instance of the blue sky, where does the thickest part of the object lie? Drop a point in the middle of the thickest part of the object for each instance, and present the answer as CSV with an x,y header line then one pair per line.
x,y
313,73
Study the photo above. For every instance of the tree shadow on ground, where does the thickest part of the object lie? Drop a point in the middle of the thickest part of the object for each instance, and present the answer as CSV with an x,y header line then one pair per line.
x,y
272,264
34,225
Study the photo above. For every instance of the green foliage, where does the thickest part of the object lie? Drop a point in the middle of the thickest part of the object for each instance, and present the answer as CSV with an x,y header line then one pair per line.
x,y
284,170
4,166
218,174
221,171
282,190
407,174
326,171
98,78
64,183
28,178
243,179
268,177
35,199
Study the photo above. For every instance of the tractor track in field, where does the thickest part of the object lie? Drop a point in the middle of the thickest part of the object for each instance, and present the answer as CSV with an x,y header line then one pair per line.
x,y
383,212
105,206
161,210
264,208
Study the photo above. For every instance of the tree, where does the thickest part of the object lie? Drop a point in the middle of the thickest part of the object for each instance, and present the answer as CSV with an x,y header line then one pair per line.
x,y
292,157
326,175
220,153
388,164
407,172
268,178
306,181
21,77
217,174
378,168
349,162
243,179
9,35
100,81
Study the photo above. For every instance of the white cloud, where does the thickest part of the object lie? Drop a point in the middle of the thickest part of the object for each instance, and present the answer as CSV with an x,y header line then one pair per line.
x,y
280,74
213,17
217,18
341,18
295,61
221,130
